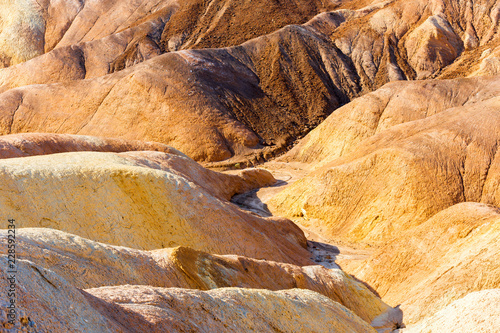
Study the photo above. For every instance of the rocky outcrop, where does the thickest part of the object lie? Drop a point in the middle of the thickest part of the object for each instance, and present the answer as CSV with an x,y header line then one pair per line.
x,y
223,95
397,179
447,257
393,104
141,201
248,101
221,185
30,144
47,302
87,264
229,310
139,29
476,312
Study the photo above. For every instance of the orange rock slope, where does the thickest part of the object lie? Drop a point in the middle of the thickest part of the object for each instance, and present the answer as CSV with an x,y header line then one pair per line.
x,y
146,200
87,264
400,177
243,100
398,101
414,179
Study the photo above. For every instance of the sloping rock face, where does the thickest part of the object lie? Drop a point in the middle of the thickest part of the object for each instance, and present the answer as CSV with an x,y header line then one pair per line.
x,y
393,104
141,201
30,144
452,254
476,312
407,169
221,185
223,95
140,29
399,178
48,302
244,100
87,264
411,171
229,310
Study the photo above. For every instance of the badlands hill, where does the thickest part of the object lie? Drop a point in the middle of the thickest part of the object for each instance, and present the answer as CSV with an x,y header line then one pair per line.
x,y
247,100
379,121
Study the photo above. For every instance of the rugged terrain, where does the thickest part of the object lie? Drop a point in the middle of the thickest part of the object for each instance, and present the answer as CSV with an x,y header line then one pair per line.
x,y
270,166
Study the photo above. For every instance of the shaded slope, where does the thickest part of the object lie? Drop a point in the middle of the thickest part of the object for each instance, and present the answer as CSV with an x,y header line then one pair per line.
x,y
147,202
447,257
224,95
400,177
134,31
266,92
393,104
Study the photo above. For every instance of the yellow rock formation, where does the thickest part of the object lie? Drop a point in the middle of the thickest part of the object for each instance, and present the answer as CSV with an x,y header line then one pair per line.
x,y
47,301
450,255
397,179
87,264
141,202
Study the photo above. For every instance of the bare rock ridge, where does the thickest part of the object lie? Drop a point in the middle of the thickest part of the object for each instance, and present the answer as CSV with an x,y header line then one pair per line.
x,y
415,179
143,28
87,264
382,211
452,254
31,144
393,104
223,186
57,306
152,200
253,98
430,164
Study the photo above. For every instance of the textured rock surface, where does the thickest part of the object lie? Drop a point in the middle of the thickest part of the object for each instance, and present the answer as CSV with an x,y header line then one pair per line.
x,y
88,264
476,312
393,104
47,302
447,257
220,185
407,174
244,100
52,304
228,310
29,144
399,178
140,27
139,202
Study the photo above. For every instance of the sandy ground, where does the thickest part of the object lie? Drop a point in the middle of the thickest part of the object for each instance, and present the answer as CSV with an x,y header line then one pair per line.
x,y
323,251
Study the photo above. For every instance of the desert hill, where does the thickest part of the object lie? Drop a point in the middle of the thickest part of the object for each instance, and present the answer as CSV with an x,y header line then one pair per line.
x,y
87,264
56,305
447,257
246,100
151,200
400,177
373,125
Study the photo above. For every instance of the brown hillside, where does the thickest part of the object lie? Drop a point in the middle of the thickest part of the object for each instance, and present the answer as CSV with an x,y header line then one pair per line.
x,y
245,100
400,177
